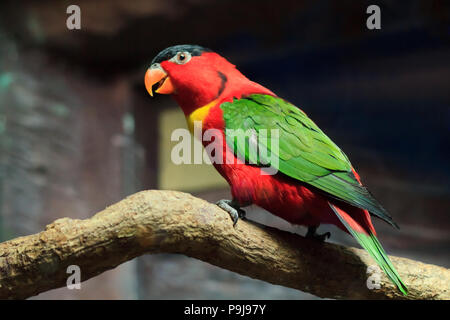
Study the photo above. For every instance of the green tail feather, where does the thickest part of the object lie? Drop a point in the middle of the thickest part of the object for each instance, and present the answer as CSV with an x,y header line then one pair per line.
x,y
376,251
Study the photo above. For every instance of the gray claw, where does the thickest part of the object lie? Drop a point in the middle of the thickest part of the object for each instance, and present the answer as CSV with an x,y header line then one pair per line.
x,y
232,208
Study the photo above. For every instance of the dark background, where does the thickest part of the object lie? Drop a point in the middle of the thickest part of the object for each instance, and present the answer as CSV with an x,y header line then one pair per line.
x,y
78,131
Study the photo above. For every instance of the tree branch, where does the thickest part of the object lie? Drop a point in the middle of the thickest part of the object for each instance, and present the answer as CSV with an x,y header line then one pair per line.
x,y
175,222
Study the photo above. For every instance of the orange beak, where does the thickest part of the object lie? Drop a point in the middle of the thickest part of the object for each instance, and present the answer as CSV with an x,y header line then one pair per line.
x,y
156,75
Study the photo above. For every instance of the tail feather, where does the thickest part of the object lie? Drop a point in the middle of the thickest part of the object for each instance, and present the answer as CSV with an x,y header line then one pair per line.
x,y
369,241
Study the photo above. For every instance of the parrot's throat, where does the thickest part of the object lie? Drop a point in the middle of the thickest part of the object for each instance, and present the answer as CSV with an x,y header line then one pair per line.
x,y
199,114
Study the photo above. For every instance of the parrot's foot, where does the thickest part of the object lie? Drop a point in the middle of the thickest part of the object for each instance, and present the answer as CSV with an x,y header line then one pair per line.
x,y
313,235
232,208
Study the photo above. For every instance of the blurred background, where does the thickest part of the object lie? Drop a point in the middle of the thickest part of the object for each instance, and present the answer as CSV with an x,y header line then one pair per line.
x,y
78,131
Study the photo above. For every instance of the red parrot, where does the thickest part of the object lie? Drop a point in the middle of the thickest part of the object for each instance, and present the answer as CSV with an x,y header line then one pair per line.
x,y
313,183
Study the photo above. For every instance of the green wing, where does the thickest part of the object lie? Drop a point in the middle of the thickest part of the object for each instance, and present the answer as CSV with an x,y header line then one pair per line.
x,y
304,152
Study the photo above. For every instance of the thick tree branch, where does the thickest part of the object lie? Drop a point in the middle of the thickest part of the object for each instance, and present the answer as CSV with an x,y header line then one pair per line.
x,y
175,222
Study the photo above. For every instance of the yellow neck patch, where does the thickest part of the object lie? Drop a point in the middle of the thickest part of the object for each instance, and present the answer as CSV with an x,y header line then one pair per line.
x,y
199,114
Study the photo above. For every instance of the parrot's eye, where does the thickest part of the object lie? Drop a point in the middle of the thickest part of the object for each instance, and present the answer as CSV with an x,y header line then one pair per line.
x,y
181,57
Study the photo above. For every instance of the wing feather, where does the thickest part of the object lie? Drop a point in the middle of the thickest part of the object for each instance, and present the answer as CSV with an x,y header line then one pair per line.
x,y
304,151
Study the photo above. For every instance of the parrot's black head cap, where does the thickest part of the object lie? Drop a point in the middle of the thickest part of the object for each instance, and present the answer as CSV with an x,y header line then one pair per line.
x,y
169,52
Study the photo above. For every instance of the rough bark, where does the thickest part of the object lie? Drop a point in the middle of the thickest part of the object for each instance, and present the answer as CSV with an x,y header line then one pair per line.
x,y
175,222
